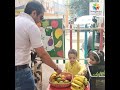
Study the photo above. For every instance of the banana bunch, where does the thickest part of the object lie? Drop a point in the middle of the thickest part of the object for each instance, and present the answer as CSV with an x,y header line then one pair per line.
x,y
53,76
79,82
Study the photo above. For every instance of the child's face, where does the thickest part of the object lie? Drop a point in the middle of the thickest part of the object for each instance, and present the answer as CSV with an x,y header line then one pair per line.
x,y
72,58
92,60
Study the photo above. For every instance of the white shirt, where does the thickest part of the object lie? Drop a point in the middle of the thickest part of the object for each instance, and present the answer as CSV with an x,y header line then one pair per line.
x,y
27,35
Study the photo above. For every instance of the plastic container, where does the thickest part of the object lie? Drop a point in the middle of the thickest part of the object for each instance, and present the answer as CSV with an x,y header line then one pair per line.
x,y
96,82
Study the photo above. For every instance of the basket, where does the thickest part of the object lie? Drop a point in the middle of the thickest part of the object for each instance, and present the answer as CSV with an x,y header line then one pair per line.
x,y
62,85
96,82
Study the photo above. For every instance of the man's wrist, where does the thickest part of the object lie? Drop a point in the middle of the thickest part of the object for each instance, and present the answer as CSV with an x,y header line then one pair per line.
x,y
56,68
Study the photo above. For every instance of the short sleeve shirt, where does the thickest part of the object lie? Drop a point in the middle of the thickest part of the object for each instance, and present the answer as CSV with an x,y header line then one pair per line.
x,y
27,35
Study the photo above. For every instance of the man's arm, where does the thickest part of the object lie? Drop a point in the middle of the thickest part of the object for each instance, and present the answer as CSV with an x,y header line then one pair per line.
x,y
47,59
36,43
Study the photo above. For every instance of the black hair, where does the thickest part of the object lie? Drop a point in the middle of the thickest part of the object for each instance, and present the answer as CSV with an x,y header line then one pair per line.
x,y
101,55
72,51
98,55
34,5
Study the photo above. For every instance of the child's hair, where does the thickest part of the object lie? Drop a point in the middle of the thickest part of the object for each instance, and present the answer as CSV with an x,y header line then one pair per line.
x,y
101,55
98,55
72,51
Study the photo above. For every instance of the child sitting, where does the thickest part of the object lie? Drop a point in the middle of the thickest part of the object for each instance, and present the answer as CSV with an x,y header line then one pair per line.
x,y
73,66
96,57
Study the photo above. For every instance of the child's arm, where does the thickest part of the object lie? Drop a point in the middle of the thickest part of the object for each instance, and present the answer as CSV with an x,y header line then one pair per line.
x,y
83,70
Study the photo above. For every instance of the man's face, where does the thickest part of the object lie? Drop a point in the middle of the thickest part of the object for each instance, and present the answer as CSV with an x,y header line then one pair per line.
x,y
37,18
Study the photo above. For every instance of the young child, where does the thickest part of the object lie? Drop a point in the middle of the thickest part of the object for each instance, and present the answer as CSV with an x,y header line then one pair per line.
x,y
73,66
96,57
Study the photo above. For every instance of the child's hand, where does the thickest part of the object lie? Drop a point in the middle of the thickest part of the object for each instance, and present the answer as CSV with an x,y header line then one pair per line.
x,y
82,73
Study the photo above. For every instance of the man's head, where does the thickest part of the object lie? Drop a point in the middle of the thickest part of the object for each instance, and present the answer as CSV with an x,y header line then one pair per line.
x,y
72,55
35,10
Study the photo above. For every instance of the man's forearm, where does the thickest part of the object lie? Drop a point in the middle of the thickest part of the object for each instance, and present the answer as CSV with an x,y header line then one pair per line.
x,y
46,57
47,60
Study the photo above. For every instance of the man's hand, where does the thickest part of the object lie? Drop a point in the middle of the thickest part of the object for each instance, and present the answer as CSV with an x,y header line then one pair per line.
x,y
58,70
45,57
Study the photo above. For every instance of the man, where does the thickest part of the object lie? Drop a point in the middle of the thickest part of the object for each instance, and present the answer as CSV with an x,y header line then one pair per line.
x,y
27,35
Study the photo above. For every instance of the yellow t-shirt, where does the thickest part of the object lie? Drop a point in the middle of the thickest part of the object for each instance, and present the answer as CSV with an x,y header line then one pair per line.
x,y
74,68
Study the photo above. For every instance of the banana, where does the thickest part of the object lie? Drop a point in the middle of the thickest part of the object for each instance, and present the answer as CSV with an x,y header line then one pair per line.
x,y
78,83
76,88
75,85
82,88
86,82
83,77
51,78
79,79
73,88
53,75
